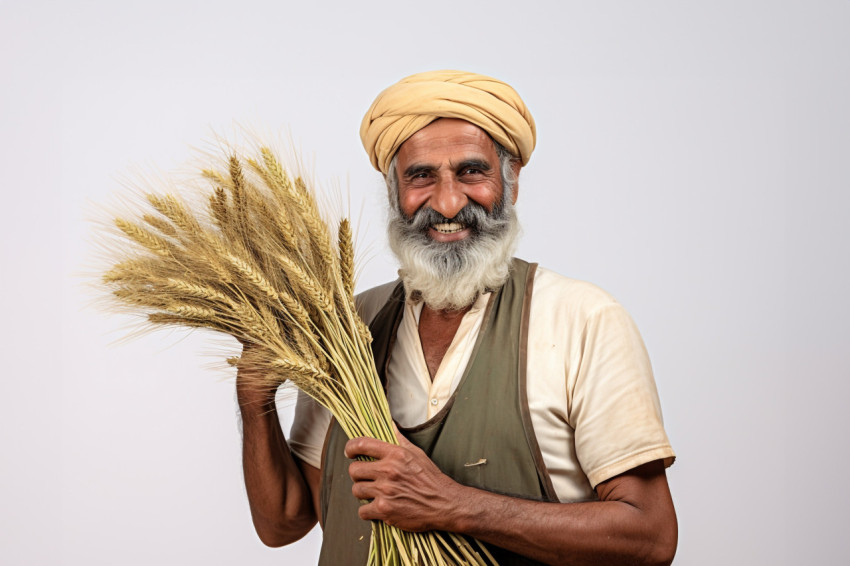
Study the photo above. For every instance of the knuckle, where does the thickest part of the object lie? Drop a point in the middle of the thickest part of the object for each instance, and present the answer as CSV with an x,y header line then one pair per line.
x,y
383,506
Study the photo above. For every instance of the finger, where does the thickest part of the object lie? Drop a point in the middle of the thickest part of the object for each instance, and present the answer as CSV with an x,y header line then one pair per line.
x,y
364,471
371,511
365,446
364,490
366,511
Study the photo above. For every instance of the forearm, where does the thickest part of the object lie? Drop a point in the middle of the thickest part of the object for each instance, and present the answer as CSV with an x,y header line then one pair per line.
x,y
591,533
278,493
633,522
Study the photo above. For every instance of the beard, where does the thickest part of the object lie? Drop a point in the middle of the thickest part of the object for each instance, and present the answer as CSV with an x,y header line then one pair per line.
x,y
451,275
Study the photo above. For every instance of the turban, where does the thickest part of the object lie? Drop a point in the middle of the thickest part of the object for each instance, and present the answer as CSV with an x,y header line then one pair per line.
x,y
414,102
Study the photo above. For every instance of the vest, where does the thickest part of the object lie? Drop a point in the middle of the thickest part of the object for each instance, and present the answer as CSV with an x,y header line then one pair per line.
x,y
482,438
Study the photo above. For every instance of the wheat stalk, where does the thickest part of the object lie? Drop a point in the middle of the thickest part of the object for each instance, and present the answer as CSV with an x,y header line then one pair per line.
x,y
258,263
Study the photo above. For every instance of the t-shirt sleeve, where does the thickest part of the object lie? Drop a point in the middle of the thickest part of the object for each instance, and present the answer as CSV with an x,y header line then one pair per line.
x,y
309,428
614,406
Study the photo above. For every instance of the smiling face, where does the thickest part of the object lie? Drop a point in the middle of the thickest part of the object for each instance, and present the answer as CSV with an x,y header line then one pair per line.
x,y
445,166
452,224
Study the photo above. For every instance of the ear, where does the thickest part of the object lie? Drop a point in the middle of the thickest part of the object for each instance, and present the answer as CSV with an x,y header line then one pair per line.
x,y
516,165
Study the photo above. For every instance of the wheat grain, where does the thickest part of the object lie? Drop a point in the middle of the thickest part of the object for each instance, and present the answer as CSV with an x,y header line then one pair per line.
x,y
170,207
304,283
299,368
145,238
252,275
160,224
179,286
346,259
218,208
214,176
191,311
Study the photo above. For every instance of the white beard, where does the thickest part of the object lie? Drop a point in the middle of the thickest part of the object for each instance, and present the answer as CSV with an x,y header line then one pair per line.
x,y
451,275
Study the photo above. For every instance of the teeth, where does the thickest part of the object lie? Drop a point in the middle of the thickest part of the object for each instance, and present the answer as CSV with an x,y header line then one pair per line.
x,y
448,228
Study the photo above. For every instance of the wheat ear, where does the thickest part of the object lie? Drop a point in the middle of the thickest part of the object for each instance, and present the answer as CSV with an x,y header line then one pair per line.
x,y
193,290
192,311
160,224
346,258
253,276
145,238
170,207
300,280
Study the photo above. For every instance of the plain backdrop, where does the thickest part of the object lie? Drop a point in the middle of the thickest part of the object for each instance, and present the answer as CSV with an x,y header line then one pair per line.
x,y
693,159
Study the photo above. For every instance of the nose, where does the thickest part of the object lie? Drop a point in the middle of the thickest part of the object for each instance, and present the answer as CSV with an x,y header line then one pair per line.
x,y
448,197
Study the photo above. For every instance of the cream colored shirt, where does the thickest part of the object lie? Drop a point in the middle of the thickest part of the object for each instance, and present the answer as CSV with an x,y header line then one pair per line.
x,y
591,393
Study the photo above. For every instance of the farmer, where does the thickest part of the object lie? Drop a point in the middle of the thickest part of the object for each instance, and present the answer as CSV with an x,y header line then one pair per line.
x,y
525,401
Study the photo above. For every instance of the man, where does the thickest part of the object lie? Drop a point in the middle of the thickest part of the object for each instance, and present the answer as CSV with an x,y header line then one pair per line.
x,y
527,410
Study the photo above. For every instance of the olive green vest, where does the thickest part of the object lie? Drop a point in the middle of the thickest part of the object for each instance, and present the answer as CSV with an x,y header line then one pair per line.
x,y
482,438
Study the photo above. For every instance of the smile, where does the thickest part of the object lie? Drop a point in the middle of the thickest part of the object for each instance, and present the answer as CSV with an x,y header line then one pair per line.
x,y
448,227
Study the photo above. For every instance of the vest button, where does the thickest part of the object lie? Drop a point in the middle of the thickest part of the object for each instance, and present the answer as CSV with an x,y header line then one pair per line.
x,y
434,402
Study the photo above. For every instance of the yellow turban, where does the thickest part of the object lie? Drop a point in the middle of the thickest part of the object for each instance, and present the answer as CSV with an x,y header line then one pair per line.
x,y
414,102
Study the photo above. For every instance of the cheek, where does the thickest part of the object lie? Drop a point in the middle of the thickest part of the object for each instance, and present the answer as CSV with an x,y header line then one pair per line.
x,y
411,200
486,194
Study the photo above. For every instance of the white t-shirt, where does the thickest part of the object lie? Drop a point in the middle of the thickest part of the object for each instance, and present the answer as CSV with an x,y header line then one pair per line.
x,y
591,393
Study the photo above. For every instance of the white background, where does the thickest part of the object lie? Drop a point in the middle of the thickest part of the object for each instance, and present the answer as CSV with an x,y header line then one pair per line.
x,y
693,159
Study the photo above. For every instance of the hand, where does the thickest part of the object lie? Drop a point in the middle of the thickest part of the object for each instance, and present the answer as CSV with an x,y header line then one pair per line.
x,y
405,488
252,390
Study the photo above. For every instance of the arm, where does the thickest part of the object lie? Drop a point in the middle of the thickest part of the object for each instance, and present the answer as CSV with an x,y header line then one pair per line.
x,y
633,523
282,491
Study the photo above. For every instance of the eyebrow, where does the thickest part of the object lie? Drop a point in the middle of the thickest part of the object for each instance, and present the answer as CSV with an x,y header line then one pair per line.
x,y
418,168
474,164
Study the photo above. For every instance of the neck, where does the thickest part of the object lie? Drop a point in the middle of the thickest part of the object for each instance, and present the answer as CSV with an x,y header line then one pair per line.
x,y
437,328
444,314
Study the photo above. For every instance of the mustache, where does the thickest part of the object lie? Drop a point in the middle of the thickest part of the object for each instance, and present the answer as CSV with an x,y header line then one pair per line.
x,y
473,216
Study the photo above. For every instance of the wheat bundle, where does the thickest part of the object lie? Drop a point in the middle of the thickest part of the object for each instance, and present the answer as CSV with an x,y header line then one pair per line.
x,y
259,263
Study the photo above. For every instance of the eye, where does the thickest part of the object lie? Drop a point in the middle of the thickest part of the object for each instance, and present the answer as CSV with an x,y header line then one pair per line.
x,y
471,172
